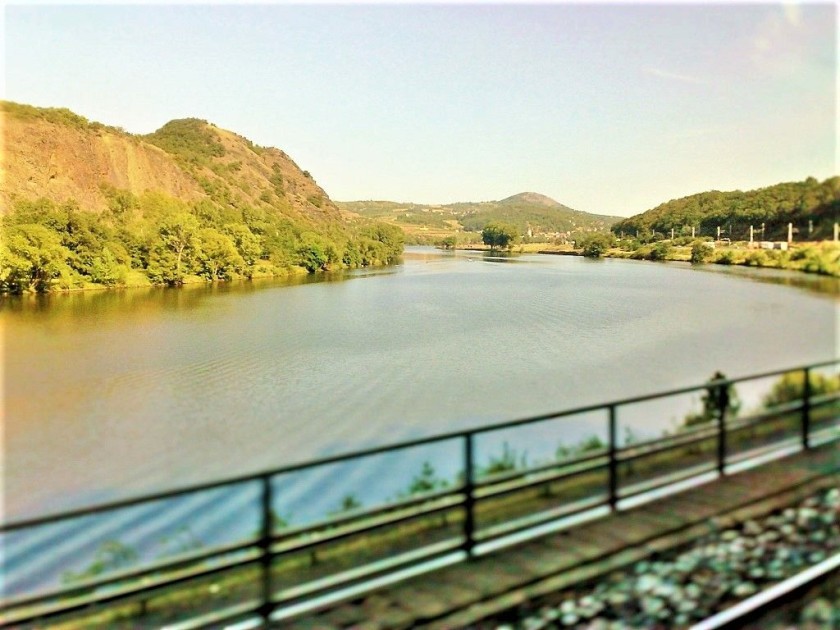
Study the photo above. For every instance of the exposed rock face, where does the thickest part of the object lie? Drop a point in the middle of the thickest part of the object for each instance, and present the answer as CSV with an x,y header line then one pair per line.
x,y
60,156
43,159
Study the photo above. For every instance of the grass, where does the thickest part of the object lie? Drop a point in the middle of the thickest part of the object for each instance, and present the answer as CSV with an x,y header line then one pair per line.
x,y
821,258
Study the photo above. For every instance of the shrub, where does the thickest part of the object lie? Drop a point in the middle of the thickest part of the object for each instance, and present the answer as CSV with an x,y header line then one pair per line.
x,y
507,462
757,259
596,245
189,139
791,387
700,252
660,251
725,258
426,481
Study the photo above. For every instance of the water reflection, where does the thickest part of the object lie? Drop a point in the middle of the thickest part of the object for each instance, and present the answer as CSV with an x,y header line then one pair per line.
x,y
86,304
502,257
130,389
809,281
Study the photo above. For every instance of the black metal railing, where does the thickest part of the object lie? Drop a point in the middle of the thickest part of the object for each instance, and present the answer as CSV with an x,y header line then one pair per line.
x,y
281,566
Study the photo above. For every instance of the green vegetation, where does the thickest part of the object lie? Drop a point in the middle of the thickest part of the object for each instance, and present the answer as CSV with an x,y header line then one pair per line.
x,y
545,219
508,461
700,252
812,207
533,494
189,139
500,235
111,556
712,400
734,212
259,214
56,116
348,503
818,258
595,245
426,481
449,242
46,246
791,387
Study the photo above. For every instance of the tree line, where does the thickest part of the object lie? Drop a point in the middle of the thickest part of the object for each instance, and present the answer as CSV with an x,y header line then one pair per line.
x,y
157,239
811,206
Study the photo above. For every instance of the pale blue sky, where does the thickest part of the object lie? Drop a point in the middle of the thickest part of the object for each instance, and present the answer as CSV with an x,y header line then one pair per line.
x,y
606,108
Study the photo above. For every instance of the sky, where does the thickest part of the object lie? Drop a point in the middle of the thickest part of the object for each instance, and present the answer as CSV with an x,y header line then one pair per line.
x,y
607,108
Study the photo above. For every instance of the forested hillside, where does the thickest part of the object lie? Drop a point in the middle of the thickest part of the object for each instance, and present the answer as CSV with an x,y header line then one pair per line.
x,y
544,217
811,206
83,204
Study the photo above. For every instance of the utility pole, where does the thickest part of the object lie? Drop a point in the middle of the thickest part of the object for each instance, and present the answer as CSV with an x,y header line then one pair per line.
x,y
790,233
836,231
751,234
672,234
718,233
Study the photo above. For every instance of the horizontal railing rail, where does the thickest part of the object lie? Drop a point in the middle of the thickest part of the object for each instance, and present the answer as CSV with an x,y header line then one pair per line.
x,y
478,508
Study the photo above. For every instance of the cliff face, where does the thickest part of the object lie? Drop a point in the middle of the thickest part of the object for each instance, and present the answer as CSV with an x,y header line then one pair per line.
x,y
61,156
58,162
86,205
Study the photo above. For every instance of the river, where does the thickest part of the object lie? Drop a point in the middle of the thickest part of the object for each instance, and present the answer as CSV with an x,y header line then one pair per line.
x,y
112,394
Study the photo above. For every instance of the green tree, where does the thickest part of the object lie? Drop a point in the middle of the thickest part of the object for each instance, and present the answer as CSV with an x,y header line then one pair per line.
x,y
390,237
247,243
218,258
177,244
595,245
715,397
448,242
700,252
312,252
107,270
33,257
499,235
660,251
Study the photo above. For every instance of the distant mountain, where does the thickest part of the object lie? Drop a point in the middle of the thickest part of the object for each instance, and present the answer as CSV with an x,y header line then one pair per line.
x,y
543,216
533,198
811,206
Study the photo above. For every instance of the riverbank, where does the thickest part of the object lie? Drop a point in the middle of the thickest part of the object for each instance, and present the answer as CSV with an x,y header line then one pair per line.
x,y
135,279
822,258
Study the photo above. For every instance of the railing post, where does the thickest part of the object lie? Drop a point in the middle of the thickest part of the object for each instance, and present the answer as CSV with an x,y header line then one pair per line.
x,y
469,499
613,464
806,409
722,400
265,546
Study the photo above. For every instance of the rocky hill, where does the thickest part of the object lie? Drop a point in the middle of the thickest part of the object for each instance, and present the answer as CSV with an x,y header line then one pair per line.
x,y
58,155
190,199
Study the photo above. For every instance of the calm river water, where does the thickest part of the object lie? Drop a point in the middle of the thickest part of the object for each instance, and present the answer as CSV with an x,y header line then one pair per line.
x,y
113,394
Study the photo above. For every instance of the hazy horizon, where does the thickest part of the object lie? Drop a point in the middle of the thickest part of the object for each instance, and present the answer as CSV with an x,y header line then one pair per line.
x,y
606,108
